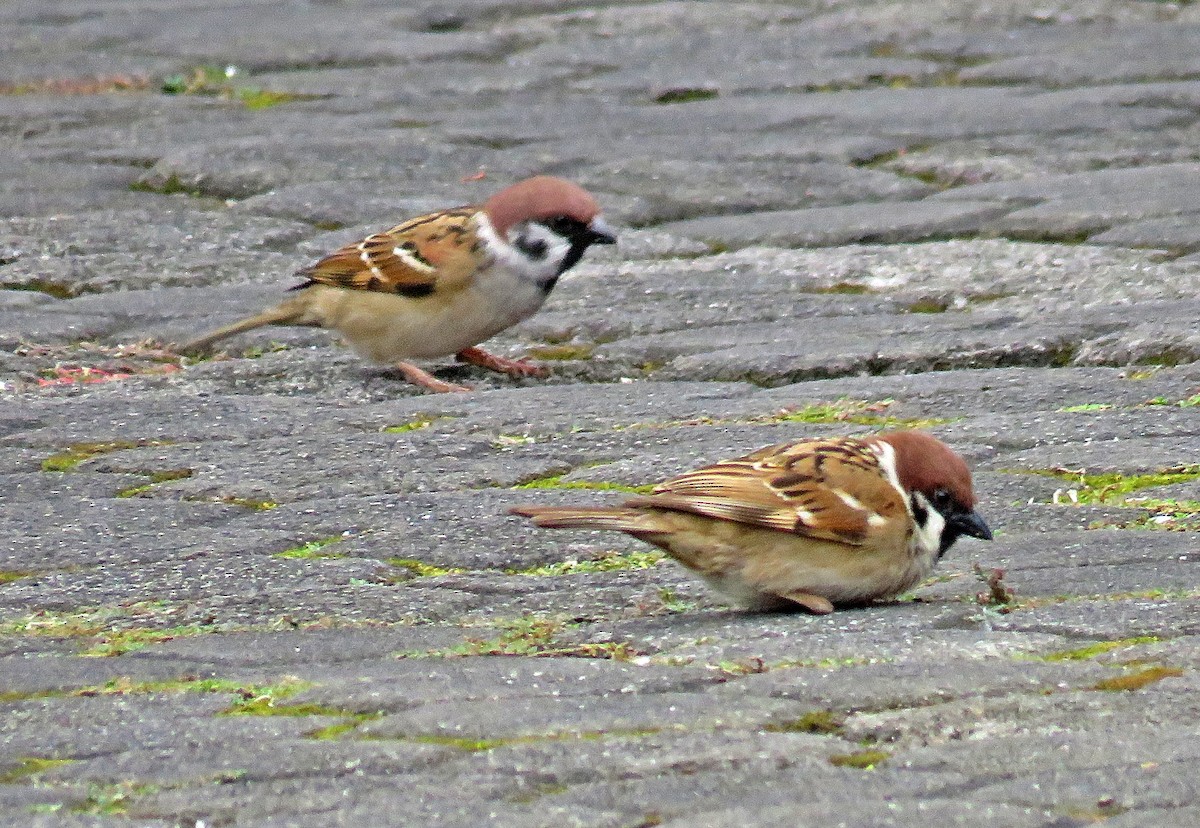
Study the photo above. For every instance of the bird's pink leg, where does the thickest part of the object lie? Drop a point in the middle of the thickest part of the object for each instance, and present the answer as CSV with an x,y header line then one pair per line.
x,y
504,365
427,380
816,604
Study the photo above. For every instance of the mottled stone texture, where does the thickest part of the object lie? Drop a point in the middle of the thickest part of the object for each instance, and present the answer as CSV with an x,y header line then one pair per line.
x,y
280,588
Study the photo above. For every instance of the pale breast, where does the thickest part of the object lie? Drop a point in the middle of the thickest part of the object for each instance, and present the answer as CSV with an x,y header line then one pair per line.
x,y
387,327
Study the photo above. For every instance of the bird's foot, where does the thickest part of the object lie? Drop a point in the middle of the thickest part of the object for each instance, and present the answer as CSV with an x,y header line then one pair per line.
x,y
503,365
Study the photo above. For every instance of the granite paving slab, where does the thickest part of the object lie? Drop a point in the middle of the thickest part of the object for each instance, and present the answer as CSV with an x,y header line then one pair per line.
x,y
277,586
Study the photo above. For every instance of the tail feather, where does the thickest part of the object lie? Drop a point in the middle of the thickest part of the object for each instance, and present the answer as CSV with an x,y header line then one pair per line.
x,y
633,521
282,315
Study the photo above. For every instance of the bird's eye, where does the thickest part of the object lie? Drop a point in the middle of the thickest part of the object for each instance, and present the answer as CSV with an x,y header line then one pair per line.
x,y
942,497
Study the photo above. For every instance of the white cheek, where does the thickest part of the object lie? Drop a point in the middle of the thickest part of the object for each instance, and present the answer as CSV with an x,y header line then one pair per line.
x,y
512,258
927,539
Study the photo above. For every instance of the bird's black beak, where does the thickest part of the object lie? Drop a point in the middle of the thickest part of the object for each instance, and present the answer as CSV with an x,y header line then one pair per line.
x,y
970,523
599,232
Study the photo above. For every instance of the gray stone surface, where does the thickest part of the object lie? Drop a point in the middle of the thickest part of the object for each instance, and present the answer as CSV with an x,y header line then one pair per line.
x,y
280,587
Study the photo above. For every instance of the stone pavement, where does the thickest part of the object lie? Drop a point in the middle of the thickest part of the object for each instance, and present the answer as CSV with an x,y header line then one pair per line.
x,y
280,588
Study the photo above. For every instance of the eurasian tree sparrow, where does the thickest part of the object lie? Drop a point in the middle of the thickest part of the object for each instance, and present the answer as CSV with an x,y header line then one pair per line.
x,y
814,523
441,283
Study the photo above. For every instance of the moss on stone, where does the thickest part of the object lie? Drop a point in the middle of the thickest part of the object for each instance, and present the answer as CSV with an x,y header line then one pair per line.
x,y
156,477
928,306
1074,409
1111,487
7,576
264,700
76,453
28,767
842,289
1097,648
529,636
556,482
814,721
312,549
862,759
673,96
1138,680
348,725
421,569
112,799
856,412
419,422
608,562
564,352
119,642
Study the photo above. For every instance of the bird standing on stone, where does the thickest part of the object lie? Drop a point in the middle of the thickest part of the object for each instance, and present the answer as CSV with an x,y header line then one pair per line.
x,y
441,283
814,523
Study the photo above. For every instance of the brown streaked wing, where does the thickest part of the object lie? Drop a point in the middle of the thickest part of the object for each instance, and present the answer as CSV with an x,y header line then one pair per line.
x,y
411,258
791,488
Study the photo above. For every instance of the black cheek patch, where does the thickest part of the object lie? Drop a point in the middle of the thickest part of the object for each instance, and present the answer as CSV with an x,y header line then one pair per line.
x,y
533,248
414,291
920,512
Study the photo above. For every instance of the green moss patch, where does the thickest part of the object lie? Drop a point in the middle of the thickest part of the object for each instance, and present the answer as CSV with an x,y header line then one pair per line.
x,y
83,622
1167,358
415,424
1074,409
556,482
106,630
312,549
928,306
28,767
76,453
156,478
1165,515
7,576
477,745
58,290
857,412
814,721
119,642
673,96
608,562
421,569
843,410
91,85
112,799
1098,648
1103,810
564,352
1138,680
266,700
862,759
672,602
469,745
842,289
257,504
348,725
218,82
170,185
1111,488
126,686
530,636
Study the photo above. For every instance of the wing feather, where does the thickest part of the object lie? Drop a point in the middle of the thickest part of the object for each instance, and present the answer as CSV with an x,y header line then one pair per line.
x,y
828,489
439,251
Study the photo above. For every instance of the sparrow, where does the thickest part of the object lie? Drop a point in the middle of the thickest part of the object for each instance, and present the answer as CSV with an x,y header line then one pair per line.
x,y
441,283
814,523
